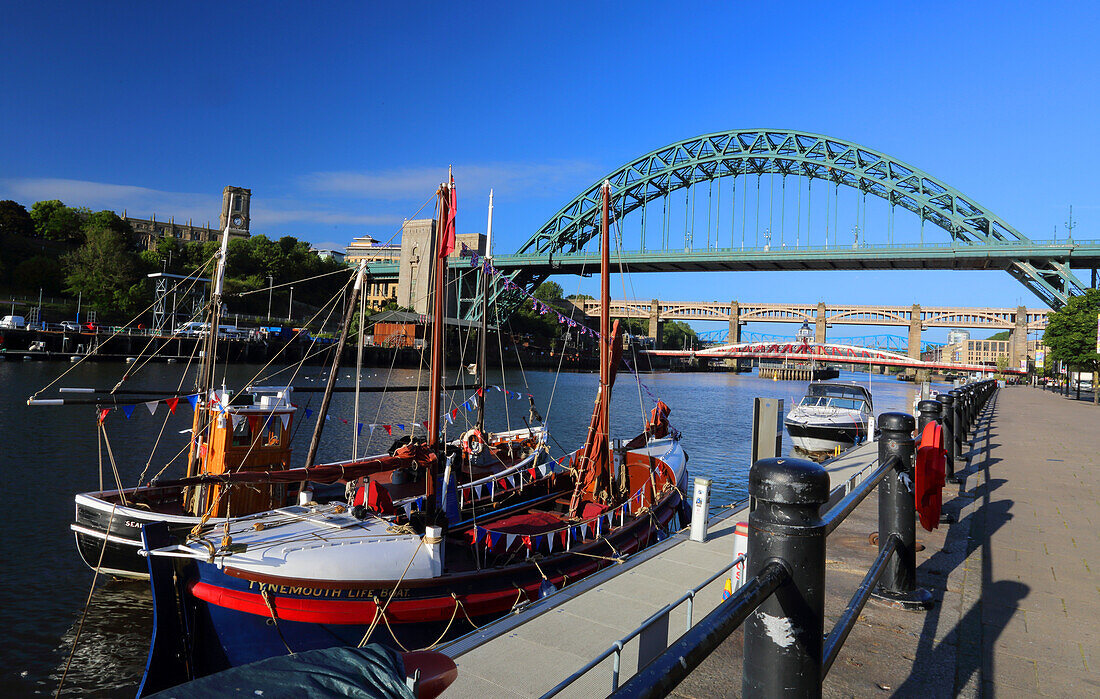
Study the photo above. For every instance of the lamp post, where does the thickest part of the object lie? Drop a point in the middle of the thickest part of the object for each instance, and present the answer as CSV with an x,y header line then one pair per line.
x,y
290,305
269,282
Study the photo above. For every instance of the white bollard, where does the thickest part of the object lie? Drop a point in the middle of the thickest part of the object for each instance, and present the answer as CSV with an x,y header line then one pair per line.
x,y
700,514
433,543
740,547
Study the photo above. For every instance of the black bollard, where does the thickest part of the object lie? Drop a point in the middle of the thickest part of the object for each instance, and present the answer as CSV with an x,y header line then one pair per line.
x,y
784,637
929,412
958,425
897,516
948,419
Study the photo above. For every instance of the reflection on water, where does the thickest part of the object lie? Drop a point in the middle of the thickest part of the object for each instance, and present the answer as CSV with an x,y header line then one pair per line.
x,y
52,454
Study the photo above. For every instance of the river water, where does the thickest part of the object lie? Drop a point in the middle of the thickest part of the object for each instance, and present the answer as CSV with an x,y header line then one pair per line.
x,y
51,453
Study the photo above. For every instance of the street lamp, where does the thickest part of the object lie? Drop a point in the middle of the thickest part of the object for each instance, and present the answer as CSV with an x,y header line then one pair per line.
x,y
290,306
269,282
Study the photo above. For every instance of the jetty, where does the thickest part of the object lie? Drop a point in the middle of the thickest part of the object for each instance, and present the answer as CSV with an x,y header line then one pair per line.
x,y
1012,575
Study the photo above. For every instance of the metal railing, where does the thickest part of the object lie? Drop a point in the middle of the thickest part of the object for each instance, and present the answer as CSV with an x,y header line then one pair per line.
x,y
786,650
658,619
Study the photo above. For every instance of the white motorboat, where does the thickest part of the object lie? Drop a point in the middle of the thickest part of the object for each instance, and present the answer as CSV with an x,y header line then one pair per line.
x,y
831,415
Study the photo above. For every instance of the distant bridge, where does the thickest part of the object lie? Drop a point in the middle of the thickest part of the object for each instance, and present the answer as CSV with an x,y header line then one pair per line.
x,y
1018,321
823,353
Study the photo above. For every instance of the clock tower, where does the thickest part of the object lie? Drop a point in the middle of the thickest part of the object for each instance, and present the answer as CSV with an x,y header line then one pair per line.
x,y
235,201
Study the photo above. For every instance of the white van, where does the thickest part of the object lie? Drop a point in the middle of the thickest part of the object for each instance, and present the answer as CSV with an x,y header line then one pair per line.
x,y
191,329
14,322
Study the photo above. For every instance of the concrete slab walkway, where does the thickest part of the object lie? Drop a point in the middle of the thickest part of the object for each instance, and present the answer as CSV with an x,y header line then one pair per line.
x,y
1016,578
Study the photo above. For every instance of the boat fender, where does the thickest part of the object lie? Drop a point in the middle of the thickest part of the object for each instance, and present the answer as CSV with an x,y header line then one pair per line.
x,y
473,441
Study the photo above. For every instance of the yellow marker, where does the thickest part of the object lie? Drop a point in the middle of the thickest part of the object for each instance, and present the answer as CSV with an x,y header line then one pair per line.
x,y
728,590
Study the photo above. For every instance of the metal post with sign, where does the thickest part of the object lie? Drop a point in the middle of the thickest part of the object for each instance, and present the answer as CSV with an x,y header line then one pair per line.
x,y
700,509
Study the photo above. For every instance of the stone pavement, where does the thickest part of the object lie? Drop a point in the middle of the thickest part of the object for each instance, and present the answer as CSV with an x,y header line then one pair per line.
x,y
1017,599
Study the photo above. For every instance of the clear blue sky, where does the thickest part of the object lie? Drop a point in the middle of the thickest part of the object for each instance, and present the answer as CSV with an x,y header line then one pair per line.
x,y
342,117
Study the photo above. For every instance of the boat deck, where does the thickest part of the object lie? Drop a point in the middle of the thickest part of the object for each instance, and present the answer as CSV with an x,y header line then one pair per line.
x,y
527,654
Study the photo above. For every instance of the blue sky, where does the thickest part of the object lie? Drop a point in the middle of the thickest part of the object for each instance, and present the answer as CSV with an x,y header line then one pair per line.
x,y
342,117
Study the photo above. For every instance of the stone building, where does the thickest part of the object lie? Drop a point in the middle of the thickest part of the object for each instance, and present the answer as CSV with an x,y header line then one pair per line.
x,y
235,211
986,352
417,243
372,250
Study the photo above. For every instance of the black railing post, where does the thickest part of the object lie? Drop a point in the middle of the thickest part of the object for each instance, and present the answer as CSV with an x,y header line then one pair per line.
x,y
929,412
897,515
784,636
948,418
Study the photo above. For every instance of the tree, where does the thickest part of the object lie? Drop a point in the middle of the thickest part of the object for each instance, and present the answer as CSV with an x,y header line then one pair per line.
x,y
55,221
1003,335
549,291
14,219
1071,335
104,269
579,297
674,333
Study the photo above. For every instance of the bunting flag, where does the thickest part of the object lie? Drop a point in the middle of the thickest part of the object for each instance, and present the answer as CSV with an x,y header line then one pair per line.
x,y
309,412
127,410
152,406
253,423
172,403
509,539
358,429
493,538
389,429
285,417
193,400
102,415
401,427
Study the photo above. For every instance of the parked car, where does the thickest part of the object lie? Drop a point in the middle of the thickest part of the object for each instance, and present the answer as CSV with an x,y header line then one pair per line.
x,y
13,322
70,326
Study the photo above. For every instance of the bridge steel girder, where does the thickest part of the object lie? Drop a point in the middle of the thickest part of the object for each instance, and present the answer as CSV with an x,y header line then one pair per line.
x,y
815,156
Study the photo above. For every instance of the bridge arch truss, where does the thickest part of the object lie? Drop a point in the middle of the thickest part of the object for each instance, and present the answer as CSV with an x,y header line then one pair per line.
x,y
814,156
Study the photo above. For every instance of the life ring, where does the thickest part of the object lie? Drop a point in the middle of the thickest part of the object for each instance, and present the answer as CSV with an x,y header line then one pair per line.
x,y
473,441
930,468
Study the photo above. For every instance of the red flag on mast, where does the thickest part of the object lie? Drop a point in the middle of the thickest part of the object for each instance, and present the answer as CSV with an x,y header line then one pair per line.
x,y
448,244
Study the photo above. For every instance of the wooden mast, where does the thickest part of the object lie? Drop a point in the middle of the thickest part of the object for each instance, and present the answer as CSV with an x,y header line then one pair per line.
x,y
594,464
440,262
482,363
606,339
200,424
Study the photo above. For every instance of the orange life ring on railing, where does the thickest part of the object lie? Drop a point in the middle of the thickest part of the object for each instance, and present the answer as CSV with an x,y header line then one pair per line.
x,y
473,441
930,468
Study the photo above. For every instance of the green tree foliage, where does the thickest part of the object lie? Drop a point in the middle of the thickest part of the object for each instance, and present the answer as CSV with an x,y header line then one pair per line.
x,y
104,270
55,221
15,220
38,272
676,334
549,291
1071,335
1003,335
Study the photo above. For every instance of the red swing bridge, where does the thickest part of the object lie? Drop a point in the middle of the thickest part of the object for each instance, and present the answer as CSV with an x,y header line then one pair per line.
x,y
802,352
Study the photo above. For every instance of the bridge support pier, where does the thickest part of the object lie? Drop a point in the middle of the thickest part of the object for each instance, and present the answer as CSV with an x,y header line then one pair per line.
x,y
819,326
1017,339
655,323
914,336
734,336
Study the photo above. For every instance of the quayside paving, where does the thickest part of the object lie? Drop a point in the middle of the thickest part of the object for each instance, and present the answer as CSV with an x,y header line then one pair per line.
x,y
1016,578
528,654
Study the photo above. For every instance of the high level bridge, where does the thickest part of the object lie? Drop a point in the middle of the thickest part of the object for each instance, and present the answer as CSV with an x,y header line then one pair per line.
x,y
767,200
1018,321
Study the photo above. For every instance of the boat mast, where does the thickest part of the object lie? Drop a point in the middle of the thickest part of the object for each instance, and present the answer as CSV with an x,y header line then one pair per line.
x,y
349,313
436,381
482,364
605,327
205,380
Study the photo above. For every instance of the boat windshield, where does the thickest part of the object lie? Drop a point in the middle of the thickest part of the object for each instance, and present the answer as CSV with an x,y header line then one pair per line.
x,y
848,403
836,396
